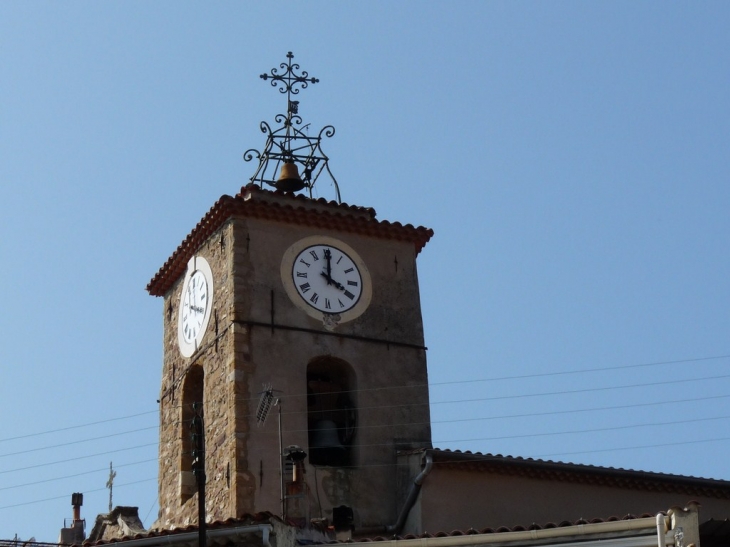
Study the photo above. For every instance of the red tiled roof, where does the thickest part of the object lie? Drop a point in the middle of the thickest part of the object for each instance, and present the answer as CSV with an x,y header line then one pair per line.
x,y
254,202
586,474
266,517
504,529
245,520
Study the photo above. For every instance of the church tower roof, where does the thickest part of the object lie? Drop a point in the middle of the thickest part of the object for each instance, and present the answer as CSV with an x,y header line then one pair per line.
x,y
255,202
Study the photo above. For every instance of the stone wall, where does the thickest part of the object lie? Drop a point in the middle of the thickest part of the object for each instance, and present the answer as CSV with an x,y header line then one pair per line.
x,y
216,357
258,336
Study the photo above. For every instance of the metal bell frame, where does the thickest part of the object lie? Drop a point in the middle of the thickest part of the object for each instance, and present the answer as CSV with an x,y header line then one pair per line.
x,y
289,143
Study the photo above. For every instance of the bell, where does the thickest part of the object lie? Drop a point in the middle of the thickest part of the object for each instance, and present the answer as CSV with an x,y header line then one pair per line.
x,y
289,179
324,444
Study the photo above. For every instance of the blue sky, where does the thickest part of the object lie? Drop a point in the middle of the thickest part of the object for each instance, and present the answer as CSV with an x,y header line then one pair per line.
x,y
571,157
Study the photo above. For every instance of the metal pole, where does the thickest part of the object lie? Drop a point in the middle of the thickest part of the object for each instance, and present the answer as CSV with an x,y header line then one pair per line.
x,y
199,468
281,467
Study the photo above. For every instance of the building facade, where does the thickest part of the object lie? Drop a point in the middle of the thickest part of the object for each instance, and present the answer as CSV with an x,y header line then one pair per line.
x,y
320,302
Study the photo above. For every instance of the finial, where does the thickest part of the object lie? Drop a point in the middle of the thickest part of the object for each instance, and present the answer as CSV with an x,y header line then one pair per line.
x,y
110,484
289,79
288,145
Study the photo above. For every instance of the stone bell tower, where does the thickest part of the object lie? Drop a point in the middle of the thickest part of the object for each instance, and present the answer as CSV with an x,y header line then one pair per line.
x,y
316,304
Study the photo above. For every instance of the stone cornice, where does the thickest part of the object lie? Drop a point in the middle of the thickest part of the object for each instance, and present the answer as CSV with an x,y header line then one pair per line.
x,y
253,202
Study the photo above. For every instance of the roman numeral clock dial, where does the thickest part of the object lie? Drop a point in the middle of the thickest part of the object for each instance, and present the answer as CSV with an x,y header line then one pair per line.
x,y
327,279
196,302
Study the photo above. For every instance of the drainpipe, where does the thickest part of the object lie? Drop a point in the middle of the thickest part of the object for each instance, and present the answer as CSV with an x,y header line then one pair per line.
x,y
407,506
661,530
396,528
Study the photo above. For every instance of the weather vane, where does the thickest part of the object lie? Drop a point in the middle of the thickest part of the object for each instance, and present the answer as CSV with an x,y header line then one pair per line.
x,y
288,148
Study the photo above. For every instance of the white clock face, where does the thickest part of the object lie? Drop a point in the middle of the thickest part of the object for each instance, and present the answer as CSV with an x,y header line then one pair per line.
x,y
196,303
327,279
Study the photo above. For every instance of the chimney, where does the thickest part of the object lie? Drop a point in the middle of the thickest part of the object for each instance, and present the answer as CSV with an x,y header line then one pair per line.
x,y
296,506
74,534
77,500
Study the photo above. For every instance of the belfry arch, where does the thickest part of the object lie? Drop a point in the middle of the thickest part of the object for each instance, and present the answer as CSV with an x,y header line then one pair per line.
x,y
331,412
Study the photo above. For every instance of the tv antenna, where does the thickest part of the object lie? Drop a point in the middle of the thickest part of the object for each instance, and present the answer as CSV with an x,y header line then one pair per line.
x,y
266,401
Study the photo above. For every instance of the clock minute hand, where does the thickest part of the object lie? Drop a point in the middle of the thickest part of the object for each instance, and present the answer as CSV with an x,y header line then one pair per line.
x,y
328,258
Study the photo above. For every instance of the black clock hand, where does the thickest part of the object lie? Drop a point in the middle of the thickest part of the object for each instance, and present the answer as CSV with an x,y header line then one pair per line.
x,y
331,281
328,258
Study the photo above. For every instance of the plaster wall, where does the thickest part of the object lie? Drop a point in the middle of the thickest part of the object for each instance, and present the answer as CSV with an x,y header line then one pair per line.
x,y
496,500
390,378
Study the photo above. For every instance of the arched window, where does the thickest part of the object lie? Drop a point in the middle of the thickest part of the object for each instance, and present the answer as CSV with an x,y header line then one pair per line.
x,y
192,392
331,412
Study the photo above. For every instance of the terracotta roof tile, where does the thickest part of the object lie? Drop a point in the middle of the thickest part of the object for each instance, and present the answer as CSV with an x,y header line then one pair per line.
x,y
578,473
254,202
246,519
504,529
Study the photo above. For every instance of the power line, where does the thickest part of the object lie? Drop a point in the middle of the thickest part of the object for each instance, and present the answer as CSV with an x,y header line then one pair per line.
x,y
527,395
430,384
661,445
475,455
435,422
36,466
576,410
583,371
585,390
73,476
65,496
70,443
404,423
577,431
29,435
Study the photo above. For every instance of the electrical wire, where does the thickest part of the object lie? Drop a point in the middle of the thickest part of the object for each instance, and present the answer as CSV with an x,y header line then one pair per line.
x,y
400,387
526,395
404,424
157,497
461,401
77,458
70,443
60,429
513,377
640,447
65,496
104,469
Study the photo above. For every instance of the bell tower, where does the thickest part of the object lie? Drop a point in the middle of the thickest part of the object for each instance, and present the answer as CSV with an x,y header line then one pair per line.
x,y
304,307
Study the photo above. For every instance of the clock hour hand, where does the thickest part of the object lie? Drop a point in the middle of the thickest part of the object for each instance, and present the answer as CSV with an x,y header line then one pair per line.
x,y
331,281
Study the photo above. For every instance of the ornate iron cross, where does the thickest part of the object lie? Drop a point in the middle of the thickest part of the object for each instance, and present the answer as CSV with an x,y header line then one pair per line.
x,y
290,151
289,79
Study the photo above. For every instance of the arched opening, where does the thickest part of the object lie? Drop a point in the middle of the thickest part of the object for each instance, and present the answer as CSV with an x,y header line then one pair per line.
x,y
192,392
331,412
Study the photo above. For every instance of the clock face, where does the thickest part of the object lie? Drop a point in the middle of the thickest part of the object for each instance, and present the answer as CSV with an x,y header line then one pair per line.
x,y
196,303
327,279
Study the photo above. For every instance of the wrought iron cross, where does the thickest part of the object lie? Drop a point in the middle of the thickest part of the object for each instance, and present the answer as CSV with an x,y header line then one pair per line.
x,y
288,80
290,151
110,484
